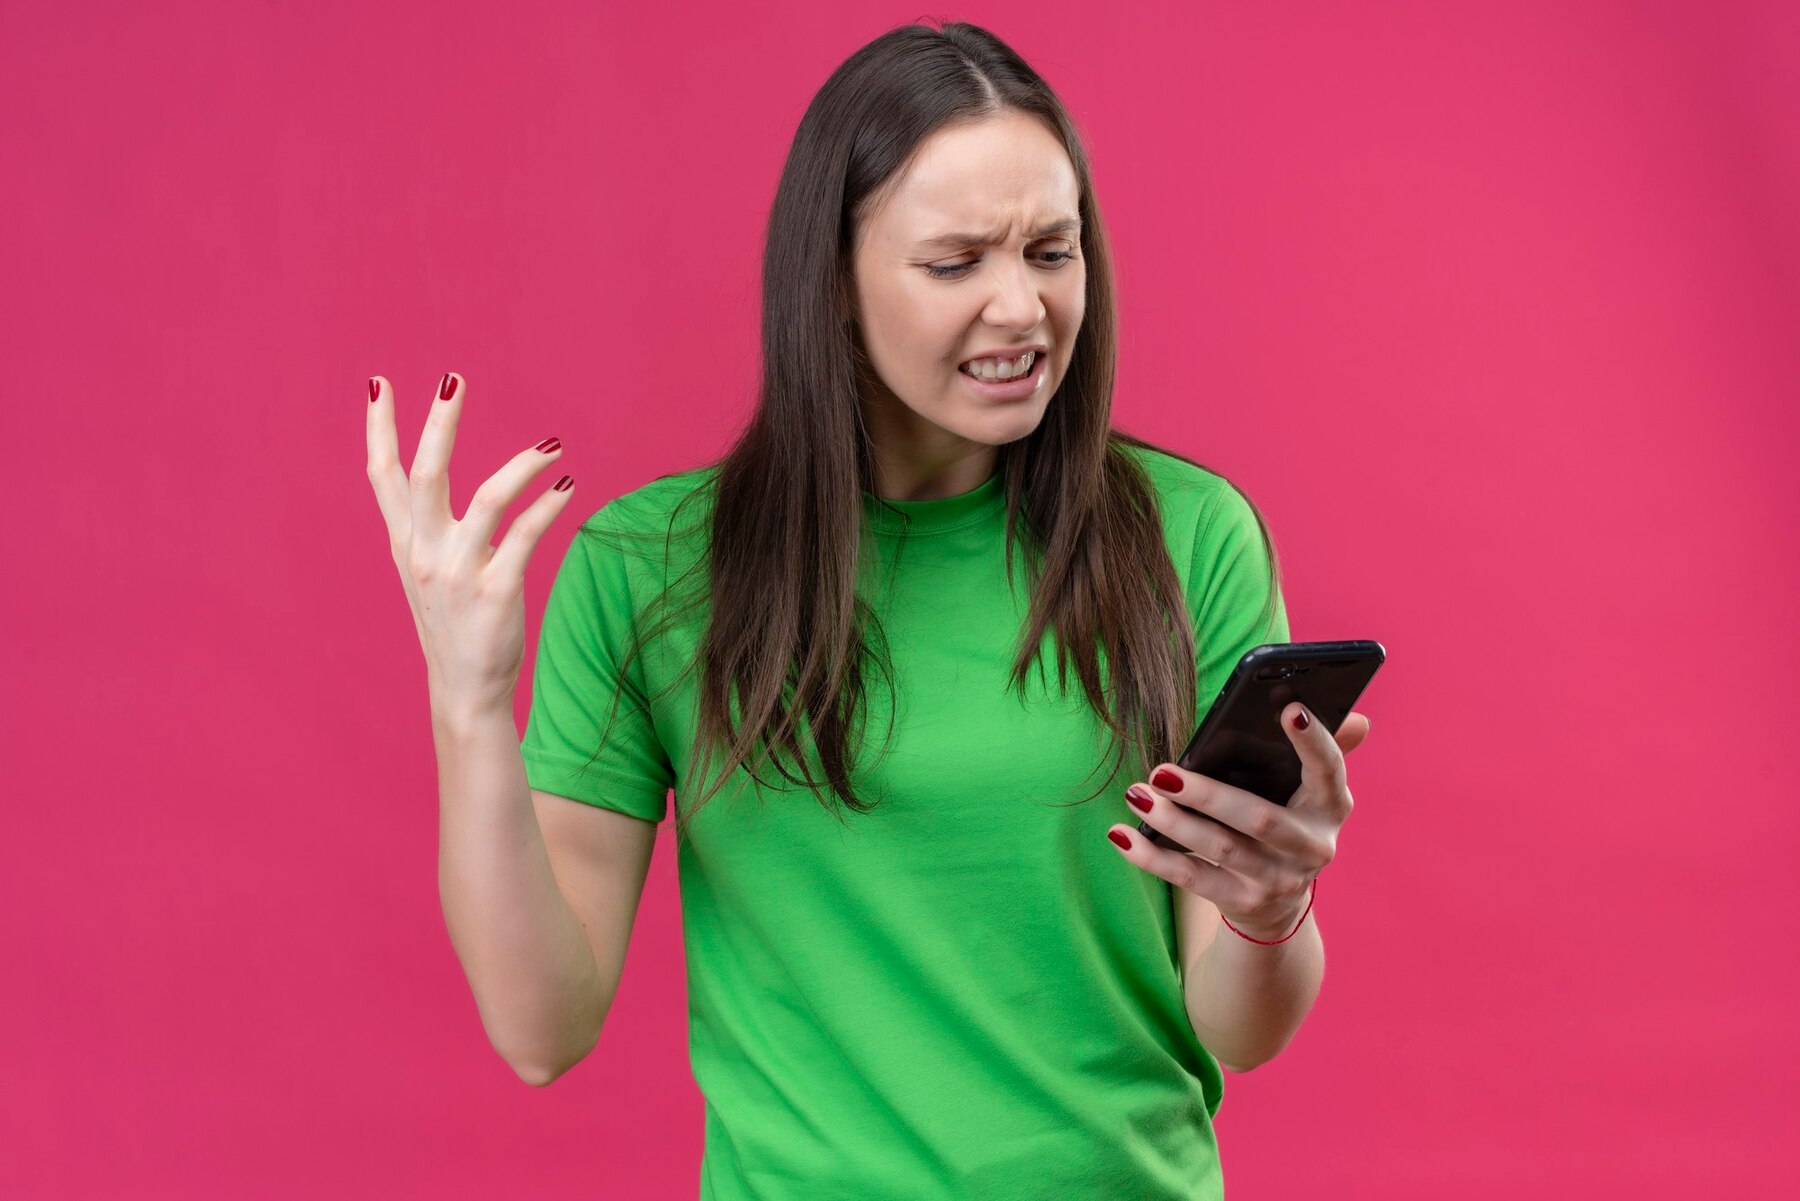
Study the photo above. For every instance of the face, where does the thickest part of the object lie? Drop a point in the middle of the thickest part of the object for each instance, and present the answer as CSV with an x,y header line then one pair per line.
x,y
956,264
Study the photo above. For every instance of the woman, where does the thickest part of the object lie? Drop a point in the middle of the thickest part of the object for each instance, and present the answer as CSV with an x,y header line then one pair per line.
x,y
915,969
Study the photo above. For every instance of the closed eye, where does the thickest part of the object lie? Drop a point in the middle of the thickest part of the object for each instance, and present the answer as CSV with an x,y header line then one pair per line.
x,y
1058,257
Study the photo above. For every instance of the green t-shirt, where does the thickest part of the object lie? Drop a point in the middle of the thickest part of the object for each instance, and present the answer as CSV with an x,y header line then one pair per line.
x,y
967,992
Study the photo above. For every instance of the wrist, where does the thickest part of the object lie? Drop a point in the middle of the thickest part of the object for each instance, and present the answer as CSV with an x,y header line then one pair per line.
x,y
460,719
1262,929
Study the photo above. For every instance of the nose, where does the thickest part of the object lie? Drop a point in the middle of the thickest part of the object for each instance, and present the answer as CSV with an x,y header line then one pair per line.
x,y
1016,303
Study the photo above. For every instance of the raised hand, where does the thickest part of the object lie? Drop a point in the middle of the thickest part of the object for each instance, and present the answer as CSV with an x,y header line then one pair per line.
x,y
467,596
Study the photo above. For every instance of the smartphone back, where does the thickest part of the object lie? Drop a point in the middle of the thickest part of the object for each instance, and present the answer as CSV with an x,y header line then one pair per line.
x,y
1241,742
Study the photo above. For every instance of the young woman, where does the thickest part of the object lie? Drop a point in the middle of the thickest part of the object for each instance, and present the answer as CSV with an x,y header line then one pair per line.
x,y
916,966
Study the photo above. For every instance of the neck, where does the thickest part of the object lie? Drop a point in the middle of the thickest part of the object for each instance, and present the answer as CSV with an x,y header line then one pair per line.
x,y
933,478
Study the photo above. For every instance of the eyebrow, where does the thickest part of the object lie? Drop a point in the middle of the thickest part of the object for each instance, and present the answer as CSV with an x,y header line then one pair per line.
x,y
959,239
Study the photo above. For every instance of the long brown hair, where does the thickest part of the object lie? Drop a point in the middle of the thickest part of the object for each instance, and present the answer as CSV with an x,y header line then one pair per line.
x,y
787,635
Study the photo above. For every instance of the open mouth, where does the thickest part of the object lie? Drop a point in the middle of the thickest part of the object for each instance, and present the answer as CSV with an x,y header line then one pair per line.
x,y
1037,366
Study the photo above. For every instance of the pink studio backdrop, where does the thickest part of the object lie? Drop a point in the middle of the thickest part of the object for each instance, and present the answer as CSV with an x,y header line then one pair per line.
x,y
1492,312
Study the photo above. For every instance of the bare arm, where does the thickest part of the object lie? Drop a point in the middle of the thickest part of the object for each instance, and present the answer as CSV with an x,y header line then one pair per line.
x,y
1246,1002
538,892
539,912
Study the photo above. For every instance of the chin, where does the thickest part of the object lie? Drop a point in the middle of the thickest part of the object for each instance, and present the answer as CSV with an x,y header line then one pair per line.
x,y
998,426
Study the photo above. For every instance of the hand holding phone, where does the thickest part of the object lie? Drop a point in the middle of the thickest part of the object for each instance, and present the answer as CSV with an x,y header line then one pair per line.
x,y
1240,741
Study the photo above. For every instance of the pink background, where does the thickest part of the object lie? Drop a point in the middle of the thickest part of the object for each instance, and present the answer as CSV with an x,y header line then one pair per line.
x,y
1493,313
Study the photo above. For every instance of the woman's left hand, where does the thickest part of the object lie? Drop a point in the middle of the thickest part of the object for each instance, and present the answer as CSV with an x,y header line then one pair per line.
x,y
1266,855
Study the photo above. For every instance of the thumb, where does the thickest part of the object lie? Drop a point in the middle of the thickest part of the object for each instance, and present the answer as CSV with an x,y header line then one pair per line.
x,y
1351,733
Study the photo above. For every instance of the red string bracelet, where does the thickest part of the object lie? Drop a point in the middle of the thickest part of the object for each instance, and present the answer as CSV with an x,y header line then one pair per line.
x,y
1290,933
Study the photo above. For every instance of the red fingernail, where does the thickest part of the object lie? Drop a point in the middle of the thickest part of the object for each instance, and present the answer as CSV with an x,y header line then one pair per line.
x,y
1301,722
565,483
1137,800
374,389
549,444
1123,840
447,388
1166,780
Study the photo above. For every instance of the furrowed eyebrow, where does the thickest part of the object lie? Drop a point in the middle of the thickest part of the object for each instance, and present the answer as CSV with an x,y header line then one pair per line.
x,y
1055,227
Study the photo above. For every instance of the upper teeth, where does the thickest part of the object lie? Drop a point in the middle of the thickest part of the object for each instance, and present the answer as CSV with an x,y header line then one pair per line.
x,y
1001,368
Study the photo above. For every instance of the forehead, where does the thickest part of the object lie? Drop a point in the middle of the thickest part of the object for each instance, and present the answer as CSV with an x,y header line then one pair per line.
x,y
999,177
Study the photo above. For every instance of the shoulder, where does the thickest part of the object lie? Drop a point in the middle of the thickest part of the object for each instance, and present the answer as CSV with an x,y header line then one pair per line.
x,y
675,504
1191,495
655,504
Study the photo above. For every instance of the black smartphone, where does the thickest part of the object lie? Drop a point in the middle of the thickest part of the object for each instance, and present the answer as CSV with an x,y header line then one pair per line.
x,y
1240,741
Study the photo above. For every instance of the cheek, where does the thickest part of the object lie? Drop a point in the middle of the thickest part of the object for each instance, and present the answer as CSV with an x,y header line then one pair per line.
x,y
920,328
934,335
1074,299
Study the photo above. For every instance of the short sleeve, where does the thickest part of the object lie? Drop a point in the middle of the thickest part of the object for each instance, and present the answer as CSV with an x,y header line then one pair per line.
x,y
1236,603
587,630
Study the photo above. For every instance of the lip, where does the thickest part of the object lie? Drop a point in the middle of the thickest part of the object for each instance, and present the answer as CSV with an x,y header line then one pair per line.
x,y
1012,389
1003,352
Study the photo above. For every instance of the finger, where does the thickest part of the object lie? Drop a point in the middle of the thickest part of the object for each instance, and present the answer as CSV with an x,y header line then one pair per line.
x,y
384,471
1350,735
1222,806
430,471
1222,888
1201,835
1321,762
528,527
474,534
